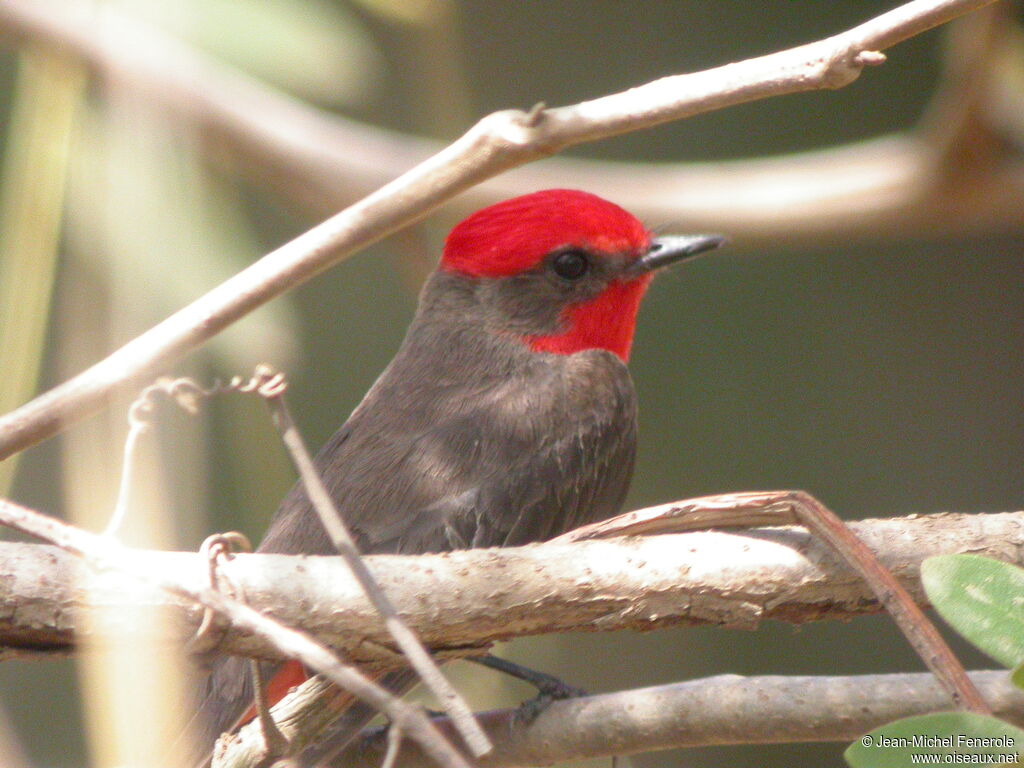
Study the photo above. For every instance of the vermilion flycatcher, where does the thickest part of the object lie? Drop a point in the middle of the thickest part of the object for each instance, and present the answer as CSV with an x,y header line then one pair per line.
x,y
508,415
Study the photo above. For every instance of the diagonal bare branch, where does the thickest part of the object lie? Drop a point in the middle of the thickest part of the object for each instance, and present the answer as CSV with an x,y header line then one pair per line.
x,y
498,142
324,161
333,522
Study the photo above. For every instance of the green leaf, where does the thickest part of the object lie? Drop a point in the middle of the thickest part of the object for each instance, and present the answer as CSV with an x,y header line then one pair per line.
x,y
1017,678
949,738
982,599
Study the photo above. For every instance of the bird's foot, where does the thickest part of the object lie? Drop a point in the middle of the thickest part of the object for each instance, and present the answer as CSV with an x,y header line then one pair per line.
x,y
549,688
546,685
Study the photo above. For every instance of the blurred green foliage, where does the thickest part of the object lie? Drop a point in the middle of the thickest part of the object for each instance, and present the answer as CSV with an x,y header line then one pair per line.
x,y
981,598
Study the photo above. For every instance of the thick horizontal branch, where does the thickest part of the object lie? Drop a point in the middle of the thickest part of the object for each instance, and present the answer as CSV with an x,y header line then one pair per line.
x,y
460,602
728,709
497,143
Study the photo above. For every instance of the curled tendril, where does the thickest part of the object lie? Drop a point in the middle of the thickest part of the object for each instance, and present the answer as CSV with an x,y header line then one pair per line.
x,y
187,394
217,549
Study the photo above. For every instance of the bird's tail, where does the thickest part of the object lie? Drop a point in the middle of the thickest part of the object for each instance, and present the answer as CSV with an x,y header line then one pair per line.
x,y
220,710
342,731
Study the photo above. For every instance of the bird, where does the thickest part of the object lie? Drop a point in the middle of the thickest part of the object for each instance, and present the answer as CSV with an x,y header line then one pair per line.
x,y
507,415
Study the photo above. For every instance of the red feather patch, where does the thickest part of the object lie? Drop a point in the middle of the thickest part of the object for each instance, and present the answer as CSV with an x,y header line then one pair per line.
x,y
515,235
605,322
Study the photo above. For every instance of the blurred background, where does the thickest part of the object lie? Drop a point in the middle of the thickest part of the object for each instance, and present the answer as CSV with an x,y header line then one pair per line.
x,y
860,338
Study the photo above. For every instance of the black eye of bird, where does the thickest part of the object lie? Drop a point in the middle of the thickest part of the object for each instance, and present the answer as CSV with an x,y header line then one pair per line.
x,y
571,265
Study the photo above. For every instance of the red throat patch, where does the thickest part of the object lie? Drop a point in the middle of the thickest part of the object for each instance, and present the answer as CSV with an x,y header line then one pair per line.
x,y
605,322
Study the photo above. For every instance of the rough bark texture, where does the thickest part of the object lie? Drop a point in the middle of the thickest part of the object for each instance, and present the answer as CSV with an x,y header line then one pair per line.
x,y
728,709
461,601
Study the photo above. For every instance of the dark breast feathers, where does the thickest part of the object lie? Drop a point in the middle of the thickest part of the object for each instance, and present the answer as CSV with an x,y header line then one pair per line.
x,y
494,446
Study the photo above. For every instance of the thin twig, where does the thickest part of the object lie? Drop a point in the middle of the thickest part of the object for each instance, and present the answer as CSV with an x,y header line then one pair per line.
x,y
105,554
137,427
451,702
924,638
220,548
787,507
271,387
393,740
498,142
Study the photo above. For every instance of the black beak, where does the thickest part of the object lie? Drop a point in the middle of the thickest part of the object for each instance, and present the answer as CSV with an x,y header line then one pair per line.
x,y
672,248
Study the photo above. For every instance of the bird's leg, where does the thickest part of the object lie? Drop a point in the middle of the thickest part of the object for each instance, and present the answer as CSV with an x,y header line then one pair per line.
x,y
547,685
549,688
274,742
